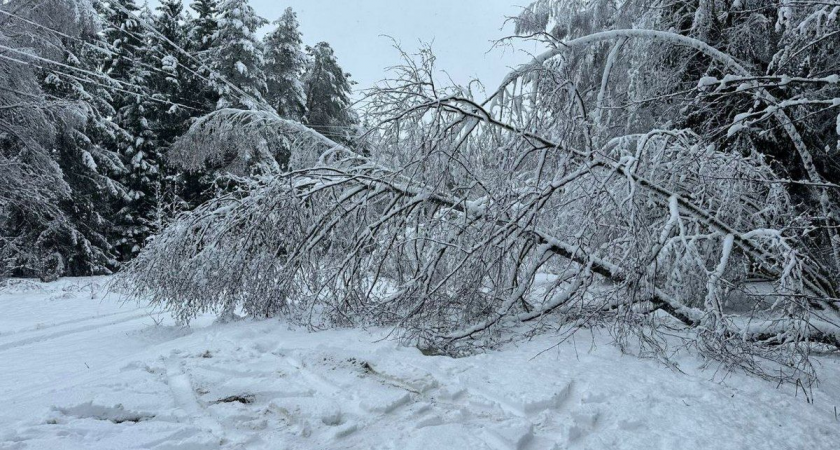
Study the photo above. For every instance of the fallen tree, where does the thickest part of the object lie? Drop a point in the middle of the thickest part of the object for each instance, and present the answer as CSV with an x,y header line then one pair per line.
x,y
466,222
347,241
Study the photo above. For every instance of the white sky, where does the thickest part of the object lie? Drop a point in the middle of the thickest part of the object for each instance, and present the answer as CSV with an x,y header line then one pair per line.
x,y
460,31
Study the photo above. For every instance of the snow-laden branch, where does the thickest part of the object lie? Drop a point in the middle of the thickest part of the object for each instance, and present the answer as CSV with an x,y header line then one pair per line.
x,y
664,36
461,222
740,71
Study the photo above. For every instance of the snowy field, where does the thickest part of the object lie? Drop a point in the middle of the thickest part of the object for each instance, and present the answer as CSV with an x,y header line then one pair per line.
x,y
80,370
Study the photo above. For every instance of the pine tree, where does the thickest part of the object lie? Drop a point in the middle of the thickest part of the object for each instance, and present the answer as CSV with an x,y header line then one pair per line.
x,y
140,212
172,81
91,166
122,33
200,37
237,56
179,82
285,64
328,89
56,145
204,26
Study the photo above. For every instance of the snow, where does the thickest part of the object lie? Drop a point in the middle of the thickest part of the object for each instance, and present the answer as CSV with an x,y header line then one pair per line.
x,y
707,81
735,128
84,370
87,160
169,63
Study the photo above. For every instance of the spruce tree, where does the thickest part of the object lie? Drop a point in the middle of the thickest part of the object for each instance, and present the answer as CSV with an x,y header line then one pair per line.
x,y
328,89
204,26
122,34
285,64
178,81
172,80
60,166
140,212
200,38
237,56
89,160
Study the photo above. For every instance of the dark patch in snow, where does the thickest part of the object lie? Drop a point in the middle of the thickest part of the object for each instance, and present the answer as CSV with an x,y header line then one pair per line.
x,y
245,399
432,351
364,365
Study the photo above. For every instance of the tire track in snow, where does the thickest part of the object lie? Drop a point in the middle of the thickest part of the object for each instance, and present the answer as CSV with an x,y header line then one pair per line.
x,y
59,334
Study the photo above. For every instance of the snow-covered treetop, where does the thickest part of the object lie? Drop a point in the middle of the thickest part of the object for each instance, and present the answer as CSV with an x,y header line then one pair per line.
x,y
285,64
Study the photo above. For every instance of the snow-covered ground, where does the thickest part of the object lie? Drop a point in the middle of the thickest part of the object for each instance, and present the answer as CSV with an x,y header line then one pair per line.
x,y
78,370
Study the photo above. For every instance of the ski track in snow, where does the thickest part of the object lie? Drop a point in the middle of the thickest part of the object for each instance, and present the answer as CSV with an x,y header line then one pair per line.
x,y
62,333
264,385
39,328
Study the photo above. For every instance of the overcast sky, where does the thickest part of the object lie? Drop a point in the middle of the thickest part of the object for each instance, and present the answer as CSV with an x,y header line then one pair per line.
x,y
460,31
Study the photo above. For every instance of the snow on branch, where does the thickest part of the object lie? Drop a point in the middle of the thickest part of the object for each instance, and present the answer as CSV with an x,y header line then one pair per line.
x,y
459,226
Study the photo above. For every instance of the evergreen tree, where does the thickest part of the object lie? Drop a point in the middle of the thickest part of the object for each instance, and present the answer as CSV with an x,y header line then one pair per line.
x,y
285,64
172,81
328,89
200,38
237,56
139,214
56,145
91,165
186,94
204,26
122,34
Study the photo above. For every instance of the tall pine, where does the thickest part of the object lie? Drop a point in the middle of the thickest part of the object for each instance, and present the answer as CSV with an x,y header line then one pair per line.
x,y
201,31
172,80
140,214
285,64
237,56
122,33
204,25
91,165
328,89
182,91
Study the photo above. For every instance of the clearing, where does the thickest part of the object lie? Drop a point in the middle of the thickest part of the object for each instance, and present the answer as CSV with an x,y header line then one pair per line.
x,y
81,370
